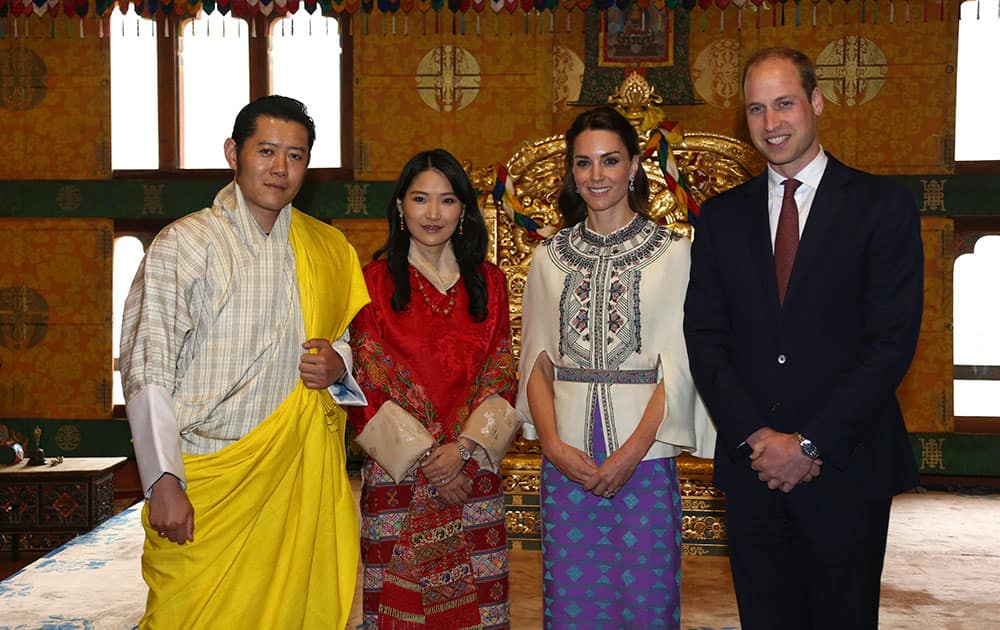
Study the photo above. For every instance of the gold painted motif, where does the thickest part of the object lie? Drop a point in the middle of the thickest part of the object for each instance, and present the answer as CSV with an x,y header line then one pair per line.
x,y
357,199
68,438
523,522
567,78
68,198
695,550
931,454
698,494
152,199
715,73
851,70
522,473
448,78
704,527
933,196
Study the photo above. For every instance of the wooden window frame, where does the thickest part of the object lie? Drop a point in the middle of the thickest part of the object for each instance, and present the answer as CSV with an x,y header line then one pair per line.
x,y
168,115
966,225
982,167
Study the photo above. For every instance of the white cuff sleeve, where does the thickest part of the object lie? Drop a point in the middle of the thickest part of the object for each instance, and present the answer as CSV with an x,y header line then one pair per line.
x,y
155,438
528,431
492,426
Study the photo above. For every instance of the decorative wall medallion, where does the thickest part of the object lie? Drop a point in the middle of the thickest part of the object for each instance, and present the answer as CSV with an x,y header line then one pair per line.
x,y
24,318
23,79
567,78
851,70
68,438
448,78
68,198
716,73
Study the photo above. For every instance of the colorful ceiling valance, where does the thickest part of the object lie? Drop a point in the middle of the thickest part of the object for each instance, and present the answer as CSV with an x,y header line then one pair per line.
x,y
922,10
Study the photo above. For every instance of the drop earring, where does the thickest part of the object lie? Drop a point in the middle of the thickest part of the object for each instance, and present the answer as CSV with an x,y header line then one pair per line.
x,y
631,183
402,219
461,221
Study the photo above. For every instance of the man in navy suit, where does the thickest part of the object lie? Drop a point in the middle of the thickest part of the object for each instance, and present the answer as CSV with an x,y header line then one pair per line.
x,y
801,319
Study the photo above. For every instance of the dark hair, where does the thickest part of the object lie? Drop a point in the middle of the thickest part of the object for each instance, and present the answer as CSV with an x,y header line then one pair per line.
x,y
469,245
802,62
571,204
280,107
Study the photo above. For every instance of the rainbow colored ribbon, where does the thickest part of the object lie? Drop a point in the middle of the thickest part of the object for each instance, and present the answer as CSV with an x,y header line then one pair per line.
x,y
668,134
505,197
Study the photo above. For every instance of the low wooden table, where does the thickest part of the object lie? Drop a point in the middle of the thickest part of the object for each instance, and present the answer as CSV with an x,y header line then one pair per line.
x,y
41,507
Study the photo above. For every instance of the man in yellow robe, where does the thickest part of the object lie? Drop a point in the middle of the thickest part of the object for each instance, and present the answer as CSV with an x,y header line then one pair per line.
x,y
233,359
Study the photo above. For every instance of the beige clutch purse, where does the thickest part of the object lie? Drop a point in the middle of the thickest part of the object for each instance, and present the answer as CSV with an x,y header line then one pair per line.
x,y
395,440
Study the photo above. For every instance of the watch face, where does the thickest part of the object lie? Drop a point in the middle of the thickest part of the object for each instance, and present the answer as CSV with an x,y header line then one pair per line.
x,y
809,449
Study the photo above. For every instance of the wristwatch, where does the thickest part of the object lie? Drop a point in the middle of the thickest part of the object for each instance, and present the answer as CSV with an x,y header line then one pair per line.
x,y
808,448
464,452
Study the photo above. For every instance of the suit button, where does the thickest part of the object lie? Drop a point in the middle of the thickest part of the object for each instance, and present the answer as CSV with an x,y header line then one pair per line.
x,y
782,359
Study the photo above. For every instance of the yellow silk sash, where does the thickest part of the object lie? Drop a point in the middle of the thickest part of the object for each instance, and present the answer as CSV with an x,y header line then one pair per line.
x,y
276,534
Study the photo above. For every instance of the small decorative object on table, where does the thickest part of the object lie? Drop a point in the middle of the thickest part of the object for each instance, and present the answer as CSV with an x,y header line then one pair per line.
x,y
37,457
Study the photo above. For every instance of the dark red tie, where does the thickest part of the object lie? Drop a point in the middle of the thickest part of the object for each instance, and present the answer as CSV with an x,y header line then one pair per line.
x,y
786,239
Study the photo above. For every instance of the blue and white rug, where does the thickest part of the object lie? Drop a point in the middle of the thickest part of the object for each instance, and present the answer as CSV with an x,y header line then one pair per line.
x,y
93,582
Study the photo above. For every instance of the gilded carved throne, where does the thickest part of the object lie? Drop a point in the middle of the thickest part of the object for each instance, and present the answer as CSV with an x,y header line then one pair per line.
x,y
710,164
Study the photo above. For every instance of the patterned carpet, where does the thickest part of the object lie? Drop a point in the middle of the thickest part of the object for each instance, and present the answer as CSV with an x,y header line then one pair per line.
x,y
93,582
942,571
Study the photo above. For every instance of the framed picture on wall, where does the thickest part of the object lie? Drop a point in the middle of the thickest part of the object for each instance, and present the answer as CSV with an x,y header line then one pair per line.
x,y
636,36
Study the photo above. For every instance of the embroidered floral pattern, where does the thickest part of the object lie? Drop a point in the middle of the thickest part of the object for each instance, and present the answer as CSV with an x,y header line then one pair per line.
x,y
375,369
497,376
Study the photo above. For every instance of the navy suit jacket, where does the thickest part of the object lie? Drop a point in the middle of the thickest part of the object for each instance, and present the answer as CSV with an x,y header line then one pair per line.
x,y
827,362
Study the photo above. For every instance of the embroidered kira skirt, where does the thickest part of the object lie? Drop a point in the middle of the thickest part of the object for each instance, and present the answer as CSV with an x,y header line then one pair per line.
x,y
384,506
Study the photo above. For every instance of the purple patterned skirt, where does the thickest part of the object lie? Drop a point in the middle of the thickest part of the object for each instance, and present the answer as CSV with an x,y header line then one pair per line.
x,y
612,564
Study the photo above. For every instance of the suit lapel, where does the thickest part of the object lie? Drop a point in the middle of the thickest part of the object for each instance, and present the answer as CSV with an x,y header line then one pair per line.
x,y
830,196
